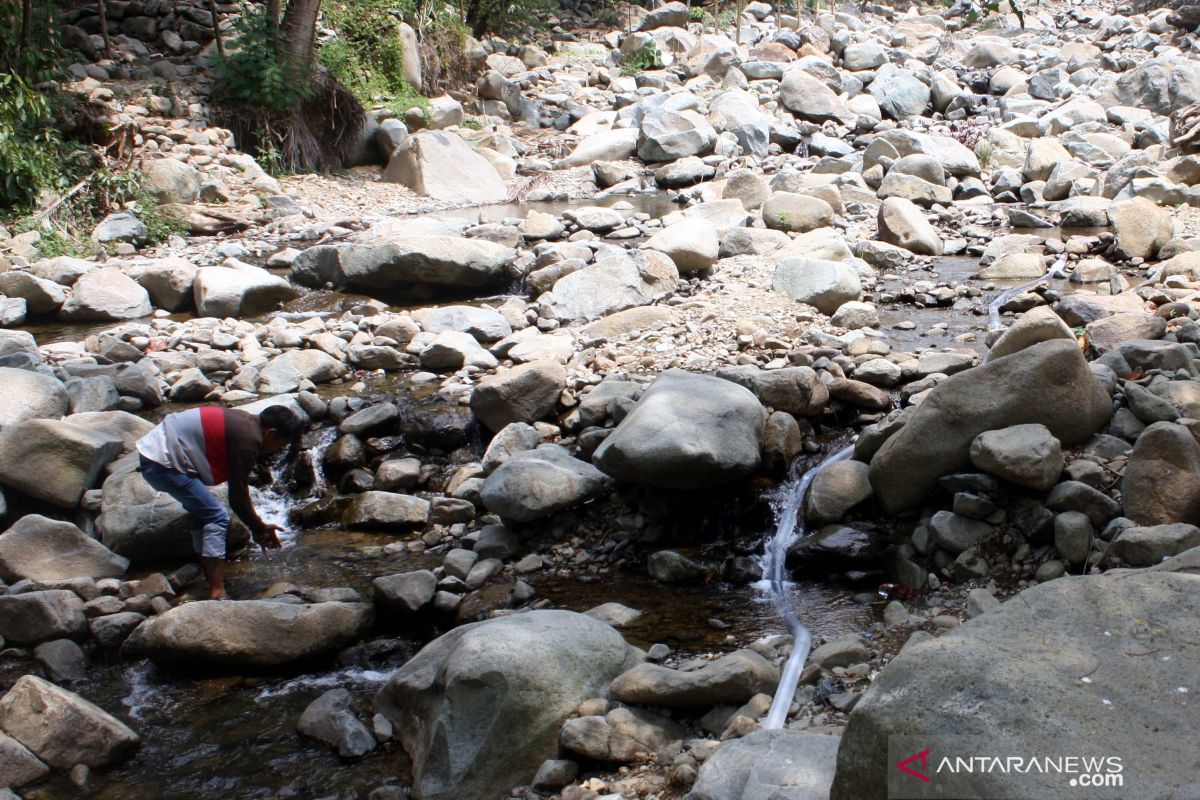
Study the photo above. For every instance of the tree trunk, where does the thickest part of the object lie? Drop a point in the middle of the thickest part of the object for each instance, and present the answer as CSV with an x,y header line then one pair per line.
x,y
216,25
273,15
103,8
299,34
23,42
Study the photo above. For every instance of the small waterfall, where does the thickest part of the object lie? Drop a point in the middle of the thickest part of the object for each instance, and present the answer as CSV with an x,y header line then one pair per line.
x,y
274,503
352,678
790,529
142,693
1055,271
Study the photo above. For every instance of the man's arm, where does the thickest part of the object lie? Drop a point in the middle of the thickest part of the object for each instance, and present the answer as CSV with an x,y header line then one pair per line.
x,y
241,461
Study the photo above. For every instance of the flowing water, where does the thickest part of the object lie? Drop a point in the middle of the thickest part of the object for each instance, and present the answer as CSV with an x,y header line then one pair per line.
x,y
791,528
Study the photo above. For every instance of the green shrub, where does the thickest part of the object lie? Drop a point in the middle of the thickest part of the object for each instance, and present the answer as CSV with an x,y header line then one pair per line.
x,y
648,57
697,14
31,149
367,54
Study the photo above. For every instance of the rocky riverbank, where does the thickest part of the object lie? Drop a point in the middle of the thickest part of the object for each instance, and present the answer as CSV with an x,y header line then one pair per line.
x,y
967,254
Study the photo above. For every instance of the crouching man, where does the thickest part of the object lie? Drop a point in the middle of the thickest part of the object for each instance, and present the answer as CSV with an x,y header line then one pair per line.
x,y
192,450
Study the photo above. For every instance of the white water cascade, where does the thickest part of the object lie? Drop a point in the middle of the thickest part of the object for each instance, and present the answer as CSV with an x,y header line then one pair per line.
x,y
790,529
274,503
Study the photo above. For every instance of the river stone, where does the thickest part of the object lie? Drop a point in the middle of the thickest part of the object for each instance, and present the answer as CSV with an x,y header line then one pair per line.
x,y
692,244
484,324
612,145
1027,455
239,291
745,120
63,729
170,180
525,393
825,285
1141,227
622,736
899,92
329,720
387,510
1048,383
406,592
796,213
248,633
796,390
18,766
769,764
12,312
285,373
613,284
902,223
54,460
1145,547
471,688
44,549
809,98
541,482
835,489
145,525
672,566
668,135
1009,682
63,270
730,680
391,265
25,394
442,166
40,295
1161,483
1040,324
104,295
688,431
33,617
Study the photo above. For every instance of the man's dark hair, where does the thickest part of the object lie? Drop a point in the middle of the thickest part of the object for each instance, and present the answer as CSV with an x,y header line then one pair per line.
x,y
282,420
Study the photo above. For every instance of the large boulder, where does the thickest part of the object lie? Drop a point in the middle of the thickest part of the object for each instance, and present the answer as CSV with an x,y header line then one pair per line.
x,y
1142,228
1027,455
54,460
1162,480
18,766
145,525
248,633
687,431
668,135
730,680
457,704
25,394
170,282
769,764
32,617
904,224
612,284
796,213
104,295
809,98
43,549
63,729
41,296
284,373
538,483
1048,383
392,265
525,393
899,92
1045,674
239,291
692,244
441,165
612,145
825,285
745,120
171,180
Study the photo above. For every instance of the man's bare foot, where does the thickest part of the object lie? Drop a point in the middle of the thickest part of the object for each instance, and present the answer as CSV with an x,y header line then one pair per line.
x,y
214,570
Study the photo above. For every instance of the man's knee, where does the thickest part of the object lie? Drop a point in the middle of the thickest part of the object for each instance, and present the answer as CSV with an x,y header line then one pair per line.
x,y
214,515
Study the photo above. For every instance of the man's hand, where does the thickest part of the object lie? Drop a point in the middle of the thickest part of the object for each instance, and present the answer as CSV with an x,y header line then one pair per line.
x,y
269,540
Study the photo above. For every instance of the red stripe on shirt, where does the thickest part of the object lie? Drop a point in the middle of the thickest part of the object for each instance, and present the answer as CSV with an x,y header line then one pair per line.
x,y
212,419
